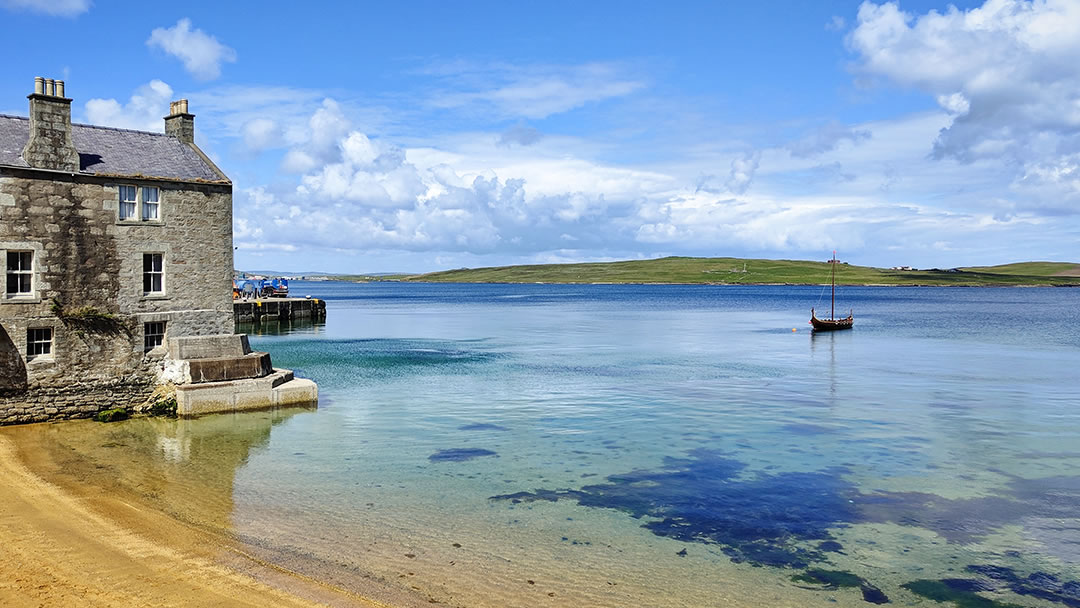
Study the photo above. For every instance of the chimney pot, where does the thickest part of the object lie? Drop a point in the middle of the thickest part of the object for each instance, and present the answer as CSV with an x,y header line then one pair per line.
x,y
183,106
50,87
59,88
39,85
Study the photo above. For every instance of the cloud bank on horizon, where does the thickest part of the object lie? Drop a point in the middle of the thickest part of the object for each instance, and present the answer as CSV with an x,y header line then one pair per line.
x,y
955,140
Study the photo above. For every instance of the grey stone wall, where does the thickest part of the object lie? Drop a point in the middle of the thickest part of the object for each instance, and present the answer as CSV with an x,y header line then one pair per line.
x,y
76,400
86,256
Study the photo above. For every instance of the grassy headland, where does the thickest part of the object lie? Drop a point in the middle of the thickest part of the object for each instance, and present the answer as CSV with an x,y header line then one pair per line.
x,y
737,271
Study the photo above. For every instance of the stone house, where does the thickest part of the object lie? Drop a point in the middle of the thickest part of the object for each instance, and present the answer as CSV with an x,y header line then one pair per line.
x,y
115,244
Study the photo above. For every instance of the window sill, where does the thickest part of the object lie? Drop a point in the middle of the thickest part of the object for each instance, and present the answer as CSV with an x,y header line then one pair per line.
x,y
41,360
140,222
20,300
155,296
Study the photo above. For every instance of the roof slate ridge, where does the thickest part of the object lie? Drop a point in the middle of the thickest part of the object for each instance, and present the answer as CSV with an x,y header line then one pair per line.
x,y
103,128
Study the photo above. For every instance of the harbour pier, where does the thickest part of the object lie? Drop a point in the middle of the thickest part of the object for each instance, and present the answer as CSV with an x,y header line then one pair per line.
x,y
272,309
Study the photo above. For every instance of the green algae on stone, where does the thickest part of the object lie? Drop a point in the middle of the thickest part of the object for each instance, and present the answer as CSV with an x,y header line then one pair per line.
x,y
111,415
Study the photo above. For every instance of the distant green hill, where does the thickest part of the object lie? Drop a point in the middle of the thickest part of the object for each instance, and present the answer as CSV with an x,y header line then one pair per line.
x,y
736,271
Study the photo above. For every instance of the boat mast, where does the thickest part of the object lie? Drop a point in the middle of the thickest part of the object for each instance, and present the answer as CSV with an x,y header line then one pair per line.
x,y
832,306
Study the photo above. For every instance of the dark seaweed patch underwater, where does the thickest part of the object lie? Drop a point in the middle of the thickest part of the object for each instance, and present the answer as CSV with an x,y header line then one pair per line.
x,y
763,520
784,520
482,426
459,454
961,591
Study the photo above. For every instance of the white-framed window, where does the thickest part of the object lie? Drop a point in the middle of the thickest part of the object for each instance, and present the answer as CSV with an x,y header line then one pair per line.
x,y
153,274
153,334
129,198
150,204
38,342
20,274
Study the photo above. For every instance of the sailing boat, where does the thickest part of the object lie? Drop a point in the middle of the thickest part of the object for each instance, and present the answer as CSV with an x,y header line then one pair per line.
x,y
832,323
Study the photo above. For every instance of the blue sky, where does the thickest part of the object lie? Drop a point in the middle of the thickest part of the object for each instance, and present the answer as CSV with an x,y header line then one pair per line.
x,y
369,137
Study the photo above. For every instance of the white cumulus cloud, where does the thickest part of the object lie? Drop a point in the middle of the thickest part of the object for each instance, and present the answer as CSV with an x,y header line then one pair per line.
x,y
1008,72
261,133
319,143
200,52
143,111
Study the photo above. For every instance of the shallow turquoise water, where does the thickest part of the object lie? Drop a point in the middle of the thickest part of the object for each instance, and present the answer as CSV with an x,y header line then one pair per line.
x,y
675,445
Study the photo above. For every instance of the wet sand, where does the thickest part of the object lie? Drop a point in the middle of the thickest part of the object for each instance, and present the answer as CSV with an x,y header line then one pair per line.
x,y
62,545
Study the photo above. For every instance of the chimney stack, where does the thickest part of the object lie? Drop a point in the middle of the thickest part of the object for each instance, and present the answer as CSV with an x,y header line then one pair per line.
x,y
179,123
50,145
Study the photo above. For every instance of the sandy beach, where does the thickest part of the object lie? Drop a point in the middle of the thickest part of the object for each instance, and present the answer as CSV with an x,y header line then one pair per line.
x,y
62,546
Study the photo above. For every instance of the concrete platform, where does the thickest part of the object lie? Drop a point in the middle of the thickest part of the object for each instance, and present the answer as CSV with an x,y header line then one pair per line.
x,y
279,389
260,309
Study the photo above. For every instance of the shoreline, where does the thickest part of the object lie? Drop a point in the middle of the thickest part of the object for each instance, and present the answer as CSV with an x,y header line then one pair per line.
x,y
71,544
747,284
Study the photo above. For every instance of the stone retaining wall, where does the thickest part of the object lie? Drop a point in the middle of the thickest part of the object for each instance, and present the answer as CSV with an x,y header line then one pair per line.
x,y
79,400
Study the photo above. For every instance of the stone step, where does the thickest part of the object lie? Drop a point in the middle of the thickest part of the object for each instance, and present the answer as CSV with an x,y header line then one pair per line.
x,y
278,389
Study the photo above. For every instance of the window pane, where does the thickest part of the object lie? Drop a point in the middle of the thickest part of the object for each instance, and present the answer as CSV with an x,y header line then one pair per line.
x,y
154,334
127,202
150,211
152,274
20,260
150,195
38,341
20,272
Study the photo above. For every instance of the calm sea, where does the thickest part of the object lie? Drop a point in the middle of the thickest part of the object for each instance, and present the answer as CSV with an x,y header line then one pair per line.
x,y
600,445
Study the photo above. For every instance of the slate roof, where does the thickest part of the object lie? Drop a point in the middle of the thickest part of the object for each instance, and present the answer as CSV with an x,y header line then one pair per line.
x,y
109,151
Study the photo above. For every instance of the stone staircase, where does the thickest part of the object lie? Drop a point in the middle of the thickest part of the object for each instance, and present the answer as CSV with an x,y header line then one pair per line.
x,y
221,374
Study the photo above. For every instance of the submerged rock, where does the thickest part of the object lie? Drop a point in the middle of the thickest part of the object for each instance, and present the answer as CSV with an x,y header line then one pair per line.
x,y
459,454
482,426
